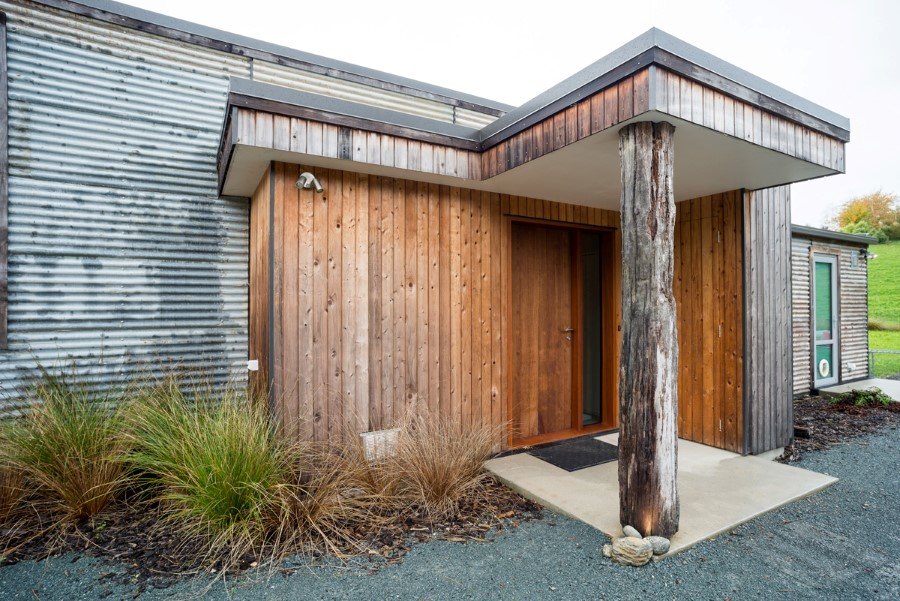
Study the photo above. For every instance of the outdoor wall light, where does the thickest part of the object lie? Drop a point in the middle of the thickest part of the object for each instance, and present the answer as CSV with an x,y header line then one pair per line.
x,y
307,180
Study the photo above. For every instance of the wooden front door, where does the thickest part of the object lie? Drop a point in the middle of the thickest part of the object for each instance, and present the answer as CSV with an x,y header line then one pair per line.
x,y
542,331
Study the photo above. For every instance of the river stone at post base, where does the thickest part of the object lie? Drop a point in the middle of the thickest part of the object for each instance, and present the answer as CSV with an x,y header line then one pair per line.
x,y
631,551
660,544
632,531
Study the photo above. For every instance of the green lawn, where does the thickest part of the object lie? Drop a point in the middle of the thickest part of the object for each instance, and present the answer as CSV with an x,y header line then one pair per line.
x,y
884,304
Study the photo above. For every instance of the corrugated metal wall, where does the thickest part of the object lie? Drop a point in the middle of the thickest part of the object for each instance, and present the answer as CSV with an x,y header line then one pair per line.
x,y
768,418
853,311
121,255
853,297
800,317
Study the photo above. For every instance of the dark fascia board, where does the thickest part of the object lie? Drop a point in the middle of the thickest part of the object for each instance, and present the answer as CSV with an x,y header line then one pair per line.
x,y
186,31
659,48
803,231
271,98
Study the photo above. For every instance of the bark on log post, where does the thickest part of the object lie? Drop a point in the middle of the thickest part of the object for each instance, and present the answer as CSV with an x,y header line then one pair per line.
x,y
648,364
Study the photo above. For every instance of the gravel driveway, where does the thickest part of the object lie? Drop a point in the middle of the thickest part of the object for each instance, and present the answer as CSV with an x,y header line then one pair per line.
x,y
843,543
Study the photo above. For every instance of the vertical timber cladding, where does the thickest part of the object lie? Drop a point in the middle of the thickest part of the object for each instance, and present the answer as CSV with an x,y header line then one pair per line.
x,y
387,299
708,291
767,285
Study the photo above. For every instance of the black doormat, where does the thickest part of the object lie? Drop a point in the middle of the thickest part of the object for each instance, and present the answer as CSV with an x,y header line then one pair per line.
x,y
577,453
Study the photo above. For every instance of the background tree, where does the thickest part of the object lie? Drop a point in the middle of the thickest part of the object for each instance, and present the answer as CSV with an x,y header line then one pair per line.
x,y
877,214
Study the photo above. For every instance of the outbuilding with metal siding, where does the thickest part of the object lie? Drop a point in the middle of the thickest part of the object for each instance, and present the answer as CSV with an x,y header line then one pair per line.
x,y
844,259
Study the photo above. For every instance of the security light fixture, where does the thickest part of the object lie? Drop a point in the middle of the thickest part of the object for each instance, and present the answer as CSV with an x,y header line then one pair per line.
x,y
307,181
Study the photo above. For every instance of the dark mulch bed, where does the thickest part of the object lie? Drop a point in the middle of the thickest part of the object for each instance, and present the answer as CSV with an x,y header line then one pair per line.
x,y
831,423
133,537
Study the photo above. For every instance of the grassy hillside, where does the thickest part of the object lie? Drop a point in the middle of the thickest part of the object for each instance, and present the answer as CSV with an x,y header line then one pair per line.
x,y
884,304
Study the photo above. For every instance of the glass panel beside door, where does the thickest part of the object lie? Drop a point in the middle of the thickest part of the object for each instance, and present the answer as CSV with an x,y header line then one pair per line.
x,y
825,322
592,330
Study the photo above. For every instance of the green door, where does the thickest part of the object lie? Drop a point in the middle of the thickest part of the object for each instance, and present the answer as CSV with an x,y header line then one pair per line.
x,y
825,323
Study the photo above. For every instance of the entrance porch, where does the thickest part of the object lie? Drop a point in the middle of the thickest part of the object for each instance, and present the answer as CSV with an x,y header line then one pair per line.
x,y
718,489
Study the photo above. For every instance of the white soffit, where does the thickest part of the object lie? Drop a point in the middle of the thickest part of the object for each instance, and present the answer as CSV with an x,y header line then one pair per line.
x,y
584,173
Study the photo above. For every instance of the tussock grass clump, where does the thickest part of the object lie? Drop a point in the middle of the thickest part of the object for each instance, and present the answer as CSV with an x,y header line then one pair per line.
x,y
11,487
11,479
212,463
326,498
438,463
68,444
214,460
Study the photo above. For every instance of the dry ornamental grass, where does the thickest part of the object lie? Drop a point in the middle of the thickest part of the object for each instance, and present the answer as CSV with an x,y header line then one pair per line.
x,y
210,481
69,445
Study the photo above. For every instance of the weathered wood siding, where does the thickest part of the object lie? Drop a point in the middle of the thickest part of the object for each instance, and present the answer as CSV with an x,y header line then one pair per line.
x,y
767,326
700,104
853,311
605,109
389,298
295,134
708,290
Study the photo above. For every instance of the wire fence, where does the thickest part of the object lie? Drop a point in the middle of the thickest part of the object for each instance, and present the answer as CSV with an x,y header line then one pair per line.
x,y
884,363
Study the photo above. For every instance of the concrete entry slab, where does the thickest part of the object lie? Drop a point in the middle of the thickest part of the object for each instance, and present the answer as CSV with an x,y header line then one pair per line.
x,y
888,387
719,489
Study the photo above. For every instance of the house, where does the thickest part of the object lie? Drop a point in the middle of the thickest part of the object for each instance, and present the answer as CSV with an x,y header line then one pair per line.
x,y
829,283
407,247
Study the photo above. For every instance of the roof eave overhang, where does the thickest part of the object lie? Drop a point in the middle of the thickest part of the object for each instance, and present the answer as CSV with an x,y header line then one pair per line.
x,y
655,55
802,231
512,123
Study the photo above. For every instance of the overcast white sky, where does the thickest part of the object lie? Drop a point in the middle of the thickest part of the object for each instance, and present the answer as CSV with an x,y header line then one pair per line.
x,y
844,55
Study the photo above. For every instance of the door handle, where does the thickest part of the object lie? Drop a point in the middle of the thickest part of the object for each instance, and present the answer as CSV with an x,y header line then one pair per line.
x,y
568,332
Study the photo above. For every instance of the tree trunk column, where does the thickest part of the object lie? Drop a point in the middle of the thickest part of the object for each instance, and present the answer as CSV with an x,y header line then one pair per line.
x,y
648,363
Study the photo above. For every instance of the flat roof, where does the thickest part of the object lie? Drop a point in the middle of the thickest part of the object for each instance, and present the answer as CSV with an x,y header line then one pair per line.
x,y
246,92
187,31
638,51
652,47
804,231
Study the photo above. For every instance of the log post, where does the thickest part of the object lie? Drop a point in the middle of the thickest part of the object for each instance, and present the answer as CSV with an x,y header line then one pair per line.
x,y
648,363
